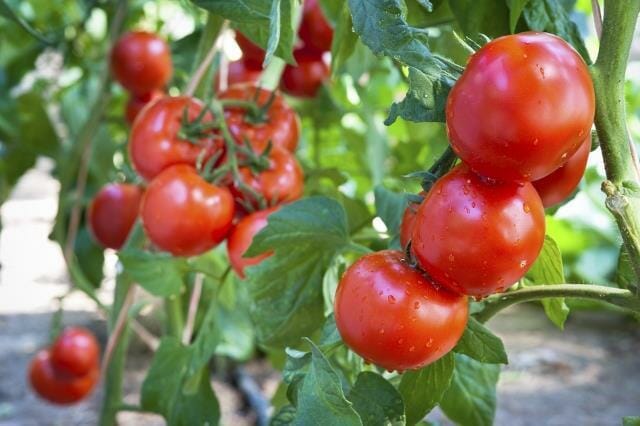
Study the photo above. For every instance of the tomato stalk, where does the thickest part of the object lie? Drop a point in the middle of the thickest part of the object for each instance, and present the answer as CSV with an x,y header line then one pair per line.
x,y
615,296
620,160
209,44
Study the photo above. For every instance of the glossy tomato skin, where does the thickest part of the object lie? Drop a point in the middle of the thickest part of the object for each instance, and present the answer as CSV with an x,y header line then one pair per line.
x,y
477,237
75,352
241,237
523,105
315,31
57,387
154,143
556,187
113,212
282,182
281,124
141,62
408,220
305,79
252,54
239,72
393,316
135,104
185,215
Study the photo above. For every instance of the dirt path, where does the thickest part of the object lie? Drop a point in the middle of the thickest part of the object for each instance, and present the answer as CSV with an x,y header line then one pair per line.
x,y
587,375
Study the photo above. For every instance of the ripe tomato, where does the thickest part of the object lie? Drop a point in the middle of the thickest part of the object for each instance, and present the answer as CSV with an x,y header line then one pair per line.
x,y
475,237
315,31
393,316
252,54
281,182
184,214
305,79
408,220
154,143
75,352
238,73
556,187
280,123
141,62
57,387
136,103
113,212
241,237
523,105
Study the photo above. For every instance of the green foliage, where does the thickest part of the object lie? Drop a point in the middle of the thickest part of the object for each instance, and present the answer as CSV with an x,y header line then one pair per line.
x,y
479,343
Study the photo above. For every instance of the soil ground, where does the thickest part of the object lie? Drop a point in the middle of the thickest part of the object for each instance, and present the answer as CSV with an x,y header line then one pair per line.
x,y
588,374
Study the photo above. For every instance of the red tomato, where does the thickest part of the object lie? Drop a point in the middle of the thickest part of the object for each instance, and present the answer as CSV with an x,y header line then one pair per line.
x,y
408,220
523,105
252,54
283,181
184,214
239,72
315,31
141,62
393,316
241,237
305,79
476,237
75,352
136,103
57,387
113,212
154,143
280,123
556,187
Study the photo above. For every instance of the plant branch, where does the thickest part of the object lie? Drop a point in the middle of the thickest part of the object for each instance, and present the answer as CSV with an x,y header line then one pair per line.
x,y
615,296
115,334
608,73
193,308
213,28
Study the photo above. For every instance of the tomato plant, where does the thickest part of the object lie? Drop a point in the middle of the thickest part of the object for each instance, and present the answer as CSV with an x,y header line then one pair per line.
x,y
392,316
377,172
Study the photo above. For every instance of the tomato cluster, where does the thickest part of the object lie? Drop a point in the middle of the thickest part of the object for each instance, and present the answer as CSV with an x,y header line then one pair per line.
x,y
66,372
141,63
519,118
303,79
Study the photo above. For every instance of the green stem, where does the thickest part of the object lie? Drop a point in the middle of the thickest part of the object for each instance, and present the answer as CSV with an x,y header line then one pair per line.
x,y
618,151
175,316
615,296
114,375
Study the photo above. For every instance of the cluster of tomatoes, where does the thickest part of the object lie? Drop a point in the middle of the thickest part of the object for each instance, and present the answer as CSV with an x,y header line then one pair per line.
x,y
520,120
66,372
207,177
303,79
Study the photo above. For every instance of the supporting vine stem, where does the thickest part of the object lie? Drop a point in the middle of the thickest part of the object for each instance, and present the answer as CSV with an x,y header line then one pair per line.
x,y
212,49
623,181
615,296
193,308
115,334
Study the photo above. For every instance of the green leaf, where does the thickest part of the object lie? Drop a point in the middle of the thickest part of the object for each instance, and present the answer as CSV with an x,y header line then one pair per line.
x,y
286,288
490,17
423,389
321,400
548,269
376,400
284,417
390,207
426,4
159,273
344,41
552,17
481,344
631,421
625,275
515,11
162,388
269,24
426,98
471,398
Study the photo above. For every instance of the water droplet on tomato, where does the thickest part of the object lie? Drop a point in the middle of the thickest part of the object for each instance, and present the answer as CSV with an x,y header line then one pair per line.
x,y
523,263
451,257
400,341
429,343
526,208
381,331
416,305
391,299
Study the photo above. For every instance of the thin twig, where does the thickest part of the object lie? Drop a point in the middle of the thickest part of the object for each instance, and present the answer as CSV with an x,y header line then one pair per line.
x,y
193,308
114,337
597,17
206,62
145,335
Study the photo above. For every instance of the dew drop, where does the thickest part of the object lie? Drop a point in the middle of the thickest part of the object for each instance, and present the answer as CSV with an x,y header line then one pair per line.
x,y
526,207
523,263
412,348
564,156
400,341
416,305
451,257
381,331
535,142
429,343
391,299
